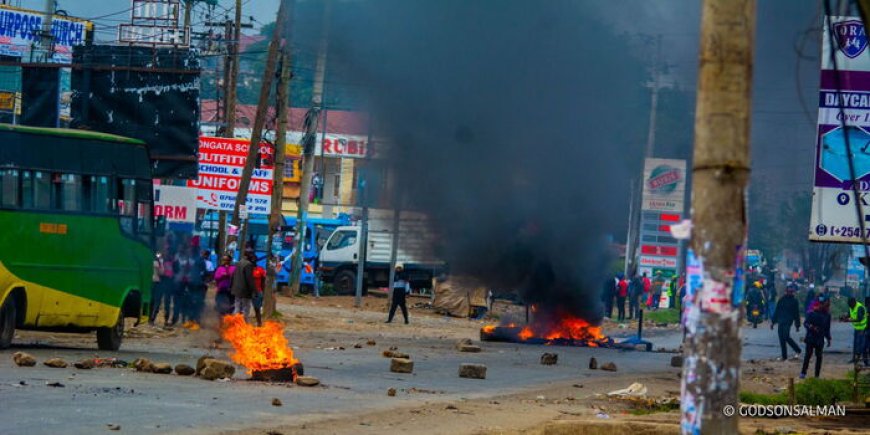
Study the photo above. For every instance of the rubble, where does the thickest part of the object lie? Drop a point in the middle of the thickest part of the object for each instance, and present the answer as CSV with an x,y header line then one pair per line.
x,y
23,359
371,343
213,369
463,342
401,365
395,354
276,402
358,346
143,365
307,381
391,392
593,363
549,359
184,370
56,363
200,363
609,366
161,368
677,361
85,364
472,371
473,348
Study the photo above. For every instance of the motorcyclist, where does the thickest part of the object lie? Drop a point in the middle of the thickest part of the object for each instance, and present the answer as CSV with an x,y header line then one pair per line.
x,y
755,302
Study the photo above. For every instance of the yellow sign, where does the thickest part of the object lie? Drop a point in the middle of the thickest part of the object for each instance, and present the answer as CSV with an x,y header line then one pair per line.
x,y
49,228
293,164
7,100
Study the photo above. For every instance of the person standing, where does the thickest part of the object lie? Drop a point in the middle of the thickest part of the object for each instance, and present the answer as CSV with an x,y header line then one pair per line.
x,y
608,291
647,286
657,284
167,287
401,288
635,287
787,313
621,295
156,288
818,326
223,279
244,287
858,318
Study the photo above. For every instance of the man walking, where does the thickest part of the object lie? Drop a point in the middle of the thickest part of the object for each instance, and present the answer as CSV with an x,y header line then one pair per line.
x,y
787,313
244,286
818,325
401,288
858,319
635,288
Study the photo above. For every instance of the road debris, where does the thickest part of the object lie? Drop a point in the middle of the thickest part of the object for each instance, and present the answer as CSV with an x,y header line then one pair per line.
x,y
610,367
307,381
113,426
200,363
54,384
214,369
391,353
401,365
391,392
23,359
472,371
634,390
161,368
593,363
85,364
371,343
143,365
56,363
549,359
358,346
276,402
184,370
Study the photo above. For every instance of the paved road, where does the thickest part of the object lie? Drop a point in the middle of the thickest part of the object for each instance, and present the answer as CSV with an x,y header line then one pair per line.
x,y
354,380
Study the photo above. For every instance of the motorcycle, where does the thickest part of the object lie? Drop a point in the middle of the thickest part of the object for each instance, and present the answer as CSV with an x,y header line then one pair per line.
x,y
755,314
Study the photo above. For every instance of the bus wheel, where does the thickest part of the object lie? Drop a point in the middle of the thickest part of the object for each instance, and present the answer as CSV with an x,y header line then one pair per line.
x,y
345,282
110,338
7,322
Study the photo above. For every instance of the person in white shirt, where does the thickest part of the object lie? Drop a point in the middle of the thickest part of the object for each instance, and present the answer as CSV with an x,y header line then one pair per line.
x,y
401,288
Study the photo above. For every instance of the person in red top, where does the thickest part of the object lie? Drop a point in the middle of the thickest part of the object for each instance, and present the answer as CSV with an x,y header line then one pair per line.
x,y
621,295
260,284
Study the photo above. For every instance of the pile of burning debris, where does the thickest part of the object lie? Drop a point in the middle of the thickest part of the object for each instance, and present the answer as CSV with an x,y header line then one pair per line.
x,y
559,328
263,350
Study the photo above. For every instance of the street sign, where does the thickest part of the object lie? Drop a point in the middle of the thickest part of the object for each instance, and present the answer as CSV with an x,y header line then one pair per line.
x,y
221,162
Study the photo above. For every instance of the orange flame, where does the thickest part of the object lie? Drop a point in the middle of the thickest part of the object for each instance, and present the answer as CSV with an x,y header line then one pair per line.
x,y
489,329
526,333
257,348
568,328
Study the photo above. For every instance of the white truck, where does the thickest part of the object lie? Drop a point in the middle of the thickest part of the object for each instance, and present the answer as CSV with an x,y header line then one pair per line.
x,y
339,257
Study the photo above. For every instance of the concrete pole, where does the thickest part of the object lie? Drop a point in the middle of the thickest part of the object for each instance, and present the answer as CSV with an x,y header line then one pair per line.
x,y
233,71
654,101
260,118
47,40
711,369
309,140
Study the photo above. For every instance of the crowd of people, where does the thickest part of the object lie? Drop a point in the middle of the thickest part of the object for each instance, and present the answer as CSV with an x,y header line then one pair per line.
x,y
181,278
639,291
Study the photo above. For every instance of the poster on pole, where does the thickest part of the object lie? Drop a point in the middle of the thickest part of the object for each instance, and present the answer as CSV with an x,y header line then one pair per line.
x,y
834,216
221,162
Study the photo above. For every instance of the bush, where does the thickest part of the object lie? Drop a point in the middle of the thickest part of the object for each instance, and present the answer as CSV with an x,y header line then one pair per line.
x,y
763,399
662,315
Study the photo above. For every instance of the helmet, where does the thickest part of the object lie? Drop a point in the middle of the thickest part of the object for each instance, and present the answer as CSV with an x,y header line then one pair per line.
x,y
399,265
758,284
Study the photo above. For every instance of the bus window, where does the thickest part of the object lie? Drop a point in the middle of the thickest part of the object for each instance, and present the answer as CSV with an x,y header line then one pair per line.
x,y
95,190
9,187
67,191
143,208
126,205
36,190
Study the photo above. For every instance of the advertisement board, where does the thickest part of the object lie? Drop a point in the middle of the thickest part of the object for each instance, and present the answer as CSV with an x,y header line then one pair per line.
x,y
658,262
664,185
20,29
221,162
177,204
333,145
834,216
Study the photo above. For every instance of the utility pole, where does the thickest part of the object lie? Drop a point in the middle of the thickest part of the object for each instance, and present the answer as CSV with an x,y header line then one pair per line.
x,y
283,95
711,368
654,99
259,119
363,195
188,8
629,258
47,39
232,85
309,140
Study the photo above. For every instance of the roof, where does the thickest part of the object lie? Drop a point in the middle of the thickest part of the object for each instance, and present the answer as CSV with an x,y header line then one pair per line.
x,y
70,133
337,121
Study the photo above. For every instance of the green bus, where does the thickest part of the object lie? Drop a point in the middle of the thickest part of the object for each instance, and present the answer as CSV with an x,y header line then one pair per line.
x,y
76,232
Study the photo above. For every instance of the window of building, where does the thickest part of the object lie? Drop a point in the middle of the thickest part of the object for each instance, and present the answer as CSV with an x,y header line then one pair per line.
x,y
9,188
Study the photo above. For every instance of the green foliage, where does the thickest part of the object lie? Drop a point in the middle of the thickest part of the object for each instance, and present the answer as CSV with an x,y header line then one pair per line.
x,y
763,399
662,315
812,391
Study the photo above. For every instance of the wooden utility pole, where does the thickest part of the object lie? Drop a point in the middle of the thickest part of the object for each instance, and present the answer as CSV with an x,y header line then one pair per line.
x,y
283,95
654,100
232,85
188,8
309,140
711,368
259,119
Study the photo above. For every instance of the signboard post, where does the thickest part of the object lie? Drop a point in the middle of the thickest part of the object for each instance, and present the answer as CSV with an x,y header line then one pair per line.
x,y
20,31
662,204
221,161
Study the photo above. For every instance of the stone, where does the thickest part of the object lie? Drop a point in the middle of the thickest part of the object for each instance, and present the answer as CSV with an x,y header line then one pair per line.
x,y
609,366
387,353
549,359
307,381
200,363
401,365
593,363
473,348
23,359
472,371
85,364
276,402
143,365
113,426
184,370
463,342
214,369
161,368
676,361
357,346
371,343
451,407
391,392
394,354
56,363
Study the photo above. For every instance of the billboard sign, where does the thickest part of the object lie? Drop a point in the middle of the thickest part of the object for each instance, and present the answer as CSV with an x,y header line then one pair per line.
x,y
177,204
658,262
221,162
664,185
833,216
20,29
